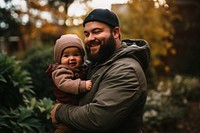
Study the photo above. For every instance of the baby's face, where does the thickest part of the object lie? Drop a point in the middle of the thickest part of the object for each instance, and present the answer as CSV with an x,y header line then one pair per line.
x,y
71,57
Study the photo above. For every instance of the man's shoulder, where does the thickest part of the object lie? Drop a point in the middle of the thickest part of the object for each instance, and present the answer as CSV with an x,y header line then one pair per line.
x,y
125,60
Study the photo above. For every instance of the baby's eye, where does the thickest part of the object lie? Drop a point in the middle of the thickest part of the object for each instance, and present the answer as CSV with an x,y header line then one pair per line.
x,y
78,54
65,55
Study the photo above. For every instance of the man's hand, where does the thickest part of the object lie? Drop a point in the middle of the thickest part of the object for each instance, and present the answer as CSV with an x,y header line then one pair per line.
x,y
53,111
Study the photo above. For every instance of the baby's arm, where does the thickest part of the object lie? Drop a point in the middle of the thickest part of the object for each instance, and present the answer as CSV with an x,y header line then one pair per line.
x,y
63,79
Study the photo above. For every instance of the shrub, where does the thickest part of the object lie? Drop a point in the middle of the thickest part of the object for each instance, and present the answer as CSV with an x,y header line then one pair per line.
x,y
13,82
19,109
36,64
189,87
169,101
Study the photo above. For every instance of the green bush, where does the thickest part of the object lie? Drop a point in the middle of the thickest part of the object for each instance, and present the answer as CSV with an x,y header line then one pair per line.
x,y
36,63
19,109
19,120
189,87
168,103
32,118
13,82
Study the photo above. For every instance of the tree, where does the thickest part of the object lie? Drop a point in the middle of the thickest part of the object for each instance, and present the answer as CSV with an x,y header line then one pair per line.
x,y
151,21
186,38
31,19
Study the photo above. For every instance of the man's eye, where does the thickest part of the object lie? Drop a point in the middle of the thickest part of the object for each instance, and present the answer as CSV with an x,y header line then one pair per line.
x,y
97,31
86,34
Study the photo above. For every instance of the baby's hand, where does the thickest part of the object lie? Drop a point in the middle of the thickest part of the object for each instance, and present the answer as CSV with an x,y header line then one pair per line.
x,y
88,85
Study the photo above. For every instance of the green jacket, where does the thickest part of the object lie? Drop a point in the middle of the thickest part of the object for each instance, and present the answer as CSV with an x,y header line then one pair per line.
x,y
115,103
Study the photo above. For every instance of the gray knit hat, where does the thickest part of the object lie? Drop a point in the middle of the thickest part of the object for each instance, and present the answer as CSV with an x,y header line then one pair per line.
x,y
65,41
102,15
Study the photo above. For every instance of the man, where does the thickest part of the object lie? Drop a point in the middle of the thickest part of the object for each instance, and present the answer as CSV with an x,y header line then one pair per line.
x,y
115,103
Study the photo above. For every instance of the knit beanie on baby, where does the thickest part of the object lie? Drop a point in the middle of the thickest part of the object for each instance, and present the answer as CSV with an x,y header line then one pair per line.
x,y
65,41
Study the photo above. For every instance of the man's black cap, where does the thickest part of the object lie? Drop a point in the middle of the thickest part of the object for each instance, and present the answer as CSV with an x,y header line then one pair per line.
x,y
102,15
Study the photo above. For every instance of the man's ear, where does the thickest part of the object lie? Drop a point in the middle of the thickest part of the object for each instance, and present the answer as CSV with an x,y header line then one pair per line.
x,y
116,32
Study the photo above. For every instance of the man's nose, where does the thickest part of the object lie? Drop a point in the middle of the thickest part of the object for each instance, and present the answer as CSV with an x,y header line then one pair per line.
x,y
91,37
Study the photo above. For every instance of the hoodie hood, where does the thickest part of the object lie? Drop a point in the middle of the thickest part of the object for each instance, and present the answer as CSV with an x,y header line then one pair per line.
x,y
136,48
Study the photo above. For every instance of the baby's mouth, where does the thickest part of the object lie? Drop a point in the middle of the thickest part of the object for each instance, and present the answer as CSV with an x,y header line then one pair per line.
x,y
72,63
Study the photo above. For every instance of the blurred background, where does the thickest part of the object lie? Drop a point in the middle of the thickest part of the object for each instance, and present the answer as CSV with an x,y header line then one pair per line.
x,y
29,29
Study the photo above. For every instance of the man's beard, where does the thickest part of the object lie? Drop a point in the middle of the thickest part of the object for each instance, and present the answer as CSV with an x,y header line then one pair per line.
x,y
105,51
